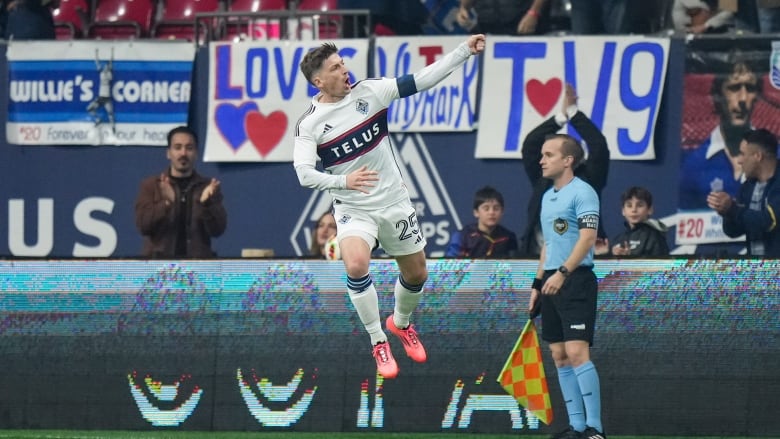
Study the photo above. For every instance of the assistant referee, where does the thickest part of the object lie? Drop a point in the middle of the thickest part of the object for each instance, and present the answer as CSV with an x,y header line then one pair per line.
x,y
567,284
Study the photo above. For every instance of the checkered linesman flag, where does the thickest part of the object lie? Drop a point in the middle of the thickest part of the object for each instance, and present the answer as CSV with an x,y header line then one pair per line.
x,y
523,375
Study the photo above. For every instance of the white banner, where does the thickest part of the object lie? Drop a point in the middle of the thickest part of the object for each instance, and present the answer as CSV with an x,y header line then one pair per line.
x,y
257,93
97,92
619,81
449,106
701,227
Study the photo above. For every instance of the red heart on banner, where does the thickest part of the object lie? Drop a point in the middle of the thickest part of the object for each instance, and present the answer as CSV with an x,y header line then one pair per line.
x,y
265,132
543,96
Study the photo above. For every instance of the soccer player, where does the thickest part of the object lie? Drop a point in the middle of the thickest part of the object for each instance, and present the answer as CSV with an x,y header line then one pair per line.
x,y
346,128
566,286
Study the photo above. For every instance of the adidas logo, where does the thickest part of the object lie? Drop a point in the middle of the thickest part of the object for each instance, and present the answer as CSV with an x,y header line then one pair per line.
x,y
327,128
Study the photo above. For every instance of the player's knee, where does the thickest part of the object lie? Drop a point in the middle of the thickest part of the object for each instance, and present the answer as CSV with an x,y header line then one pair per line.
x,y
416,277
422,276
356,269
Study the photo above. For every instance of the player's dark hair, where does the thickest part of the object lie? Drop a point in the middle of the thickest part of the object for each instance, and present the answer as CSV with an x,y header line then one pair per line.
x,y
487,193
762,138
639,193
312,61
737,62
182,130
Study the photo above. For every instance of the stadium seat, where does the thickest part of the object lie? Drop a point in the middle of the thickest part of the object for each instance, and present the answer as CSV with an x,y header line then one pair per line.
x,y
177,20
328,27
70,19
256,5
117,19
256,29
317,5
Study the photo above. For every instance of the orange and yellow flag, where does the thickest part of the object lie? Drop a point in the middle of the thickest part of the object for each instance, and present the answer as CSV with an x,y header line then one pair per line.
x,y
523,375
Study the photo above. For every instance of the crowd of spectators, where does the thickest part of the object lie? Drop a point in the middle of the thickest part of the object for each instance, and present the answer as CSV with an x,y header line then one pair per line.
x,y
37,19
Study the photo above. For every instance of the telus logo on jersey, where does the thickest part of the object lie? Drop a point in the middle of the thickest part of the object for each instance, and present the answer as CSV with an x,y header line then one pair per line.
x,y
435,211
356,142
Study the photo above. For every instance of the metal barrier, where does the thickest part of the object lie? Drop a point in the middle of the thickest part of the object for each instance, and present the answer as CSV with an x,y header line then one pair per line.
x,y
282,24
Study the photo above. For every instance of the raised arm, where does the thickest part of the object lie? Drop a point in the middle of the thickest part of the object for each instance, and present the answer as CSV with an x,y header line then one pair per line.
x,y
597,166
532,145
434,73
598,151
530,21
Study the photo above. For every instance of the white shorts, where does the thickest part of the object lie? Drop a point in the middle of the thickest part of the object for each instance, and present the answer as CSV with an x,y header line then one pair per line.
x,y
395,228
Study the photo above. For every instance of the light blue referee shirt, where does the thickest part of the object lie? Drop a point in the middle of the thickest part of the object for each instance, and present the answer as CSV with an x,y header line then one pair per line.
x,y
564,213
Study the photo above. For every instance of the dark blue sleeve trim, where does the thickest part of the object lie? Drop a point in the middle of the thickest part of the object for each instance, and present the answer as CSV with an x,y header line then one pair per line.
x,y
406,85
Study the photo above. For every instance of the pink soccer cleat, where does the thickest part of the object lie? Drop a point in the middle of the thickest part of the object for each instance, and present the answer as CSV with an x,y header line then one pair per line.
x,y
385,363
412,344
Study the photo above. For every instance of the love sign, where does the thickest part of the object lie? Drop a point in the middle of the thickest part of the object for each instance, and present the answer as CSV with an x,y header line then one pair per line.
x,y
257,93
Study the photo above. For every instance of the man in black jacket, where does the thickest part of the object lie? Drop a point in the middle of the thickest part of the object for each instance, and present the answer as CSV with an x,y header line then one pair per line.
x,y
754,211
593,171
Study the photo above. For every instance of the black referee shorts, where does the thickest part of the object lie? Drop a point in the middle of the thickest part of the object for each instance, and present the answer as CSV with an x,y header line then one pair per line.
x,y
571,314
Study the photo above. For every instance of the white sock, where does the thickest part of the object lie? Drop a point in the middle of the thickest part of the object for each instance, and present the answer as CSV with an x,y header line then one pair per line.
x,y
406,299
364,298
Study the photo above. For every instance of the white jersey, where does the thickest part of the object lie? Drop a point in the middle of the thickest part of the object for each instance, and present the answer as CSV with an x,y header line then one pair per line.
x,y
352,133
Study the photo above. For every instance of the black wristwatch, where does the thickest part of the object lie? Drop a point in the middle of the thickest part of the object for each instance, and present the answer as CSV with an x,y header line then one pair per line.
x,y
563,270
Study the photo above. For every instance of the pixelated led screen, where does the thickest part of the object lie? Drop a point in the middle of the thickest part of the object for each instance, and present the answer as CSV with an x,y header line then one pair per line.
x,y
272,345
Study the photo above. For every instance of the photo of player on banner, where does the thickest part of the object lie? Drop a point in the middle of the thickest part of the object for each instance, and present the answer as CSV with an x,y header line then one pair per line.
x,y
97,92
727,92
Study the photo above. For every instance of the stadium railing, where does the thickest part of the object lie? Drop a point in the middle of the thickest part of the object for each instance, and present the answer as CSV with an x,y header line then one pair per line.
x,y
283,24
